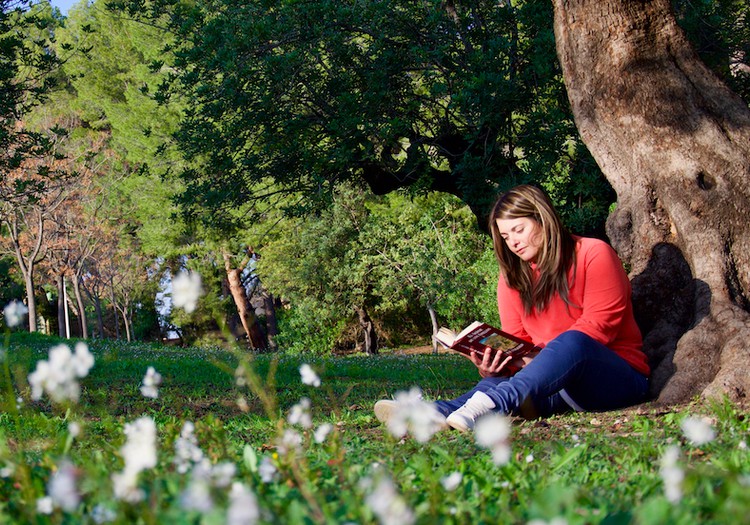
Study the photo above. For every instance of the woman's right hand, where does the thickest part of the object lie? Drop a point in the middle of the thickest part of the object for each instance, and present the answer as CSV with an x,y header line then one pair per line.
x,y
491,363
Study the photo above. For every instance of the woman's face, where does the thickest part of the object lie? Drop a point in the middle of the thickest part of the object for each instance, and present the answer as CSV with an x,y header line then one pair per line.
x,y
522,236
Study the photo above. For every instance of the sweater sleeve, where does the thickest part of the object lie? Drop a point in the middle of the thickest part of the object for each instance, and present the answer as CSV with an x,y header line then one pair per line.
x,y
606,294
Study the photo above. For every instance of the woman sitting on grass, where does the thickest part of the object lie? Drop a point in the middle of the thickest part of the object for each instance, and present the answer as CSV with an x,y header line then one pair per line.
x,y
567,294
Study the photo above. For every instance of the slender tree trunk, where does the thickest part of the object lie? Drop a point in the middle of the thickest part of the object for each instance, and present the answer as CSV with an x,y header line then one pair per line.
x,y
674,142
61,322
81,307
435,327
255,336
368,329
28,279
115,310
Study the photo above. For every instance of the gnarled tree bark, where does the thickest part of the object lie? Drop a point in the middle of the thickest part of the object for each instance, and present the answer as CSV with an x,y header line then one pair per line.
x,y
674,143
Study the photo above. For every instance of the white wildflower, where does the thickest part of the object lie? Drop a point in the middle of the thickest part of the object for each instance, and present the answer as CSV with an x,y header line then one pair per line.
x,y
58,375
529,458
139,453
698,430
389,507
223,473
62,487
321,433
742,445
14,313
204,477
266,470
186,290
197,496
414,415
186,449
452,481
309,377
102,514
151,382
82,360
74,429
243,506
300,414
290,441
672,474
44,505
492,432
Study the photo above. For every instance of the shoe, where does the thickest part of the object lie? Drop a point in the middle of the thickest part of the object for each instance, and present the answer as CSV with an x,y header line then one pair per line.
x,y
384,409
465,417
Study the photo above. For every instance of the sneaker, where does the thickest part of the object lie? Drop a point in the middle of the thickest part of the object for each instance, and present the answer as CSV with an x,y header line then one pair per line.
x,y
384,409
465,417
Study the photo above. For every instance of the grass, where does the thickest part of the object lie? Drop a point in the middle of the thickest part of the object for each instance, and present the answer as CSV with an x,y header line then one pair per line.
x,y
576,469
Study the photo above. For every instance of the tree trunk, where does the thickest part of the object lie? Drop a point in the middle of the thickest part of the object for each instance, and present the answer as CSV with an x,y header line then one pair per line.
x,y
435,327
674,143
272,327
81,307
368,328
61,321
255,336
115,313
28,279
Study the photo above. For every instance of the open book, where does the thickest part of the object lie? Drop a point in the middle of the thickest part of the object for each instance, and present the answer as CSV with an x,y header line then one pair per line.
x,y
478,336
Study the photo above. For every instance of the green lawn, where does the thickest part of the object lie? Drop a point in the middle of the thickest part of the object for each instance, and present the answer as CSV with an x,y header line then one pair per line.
x,y
580,468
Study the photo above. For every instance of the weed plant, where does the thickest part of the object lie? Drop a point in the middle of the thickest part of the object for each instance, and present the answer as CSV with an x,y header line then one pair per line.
x,y
255,451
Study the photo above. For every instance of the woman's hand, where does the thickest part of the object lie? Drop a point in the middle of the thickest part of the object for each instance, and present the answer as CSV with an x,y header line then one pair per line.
x,y
492,363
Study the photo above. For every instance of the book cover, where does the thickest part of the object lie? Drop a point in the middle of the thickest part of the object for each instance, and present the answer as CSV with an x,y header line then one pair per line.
x,y
478,336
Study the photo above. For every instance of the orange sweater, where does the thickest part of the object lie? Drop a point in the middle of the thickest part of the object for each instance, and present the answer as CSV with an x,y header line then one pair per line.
x,y
600,306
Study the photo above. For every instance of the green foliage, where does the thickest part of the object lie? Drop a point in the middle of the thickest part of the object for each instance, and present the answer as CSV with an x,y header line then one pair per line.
x,y
394,255
720,32
466,99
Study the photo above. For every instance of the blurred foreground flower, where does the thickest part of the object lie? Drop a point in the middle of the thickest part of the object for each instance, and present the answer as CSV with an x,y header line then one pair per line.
x,y
672,474
243,506
452,481
58,376
309,377
493,432
389,507
321,433
186,290
62,487
151,382
139,453
698,430
414,415
14,313
299,414
186,449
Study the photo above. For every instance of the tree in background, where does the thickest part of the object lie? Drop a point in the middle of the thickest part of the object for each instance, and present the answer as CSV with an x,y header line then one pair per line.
x,y
401,262
430,95
430,249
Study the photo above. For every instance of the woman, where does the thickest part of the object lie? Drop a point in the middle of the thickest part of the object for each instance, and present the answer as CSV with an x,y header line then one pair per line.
x,y
566,294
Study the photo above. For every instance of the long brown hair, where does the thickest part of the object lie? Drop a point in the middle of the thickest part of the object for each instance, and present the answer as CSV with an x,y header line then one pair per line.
x,y
556,251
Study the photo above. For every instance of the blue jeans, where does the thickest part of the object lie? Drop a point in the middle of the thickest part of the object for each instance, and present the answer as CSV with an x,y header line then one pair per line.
x,y
572,372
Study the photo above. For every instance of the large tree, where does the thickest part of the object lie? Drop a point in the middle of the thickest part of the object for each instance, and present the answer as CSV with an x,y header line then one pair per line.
x,y
674,143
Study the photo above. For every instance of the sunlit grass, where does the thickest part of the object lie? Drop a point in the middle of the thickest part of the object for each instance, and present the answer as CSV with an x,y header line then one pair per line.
x,y
577,468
